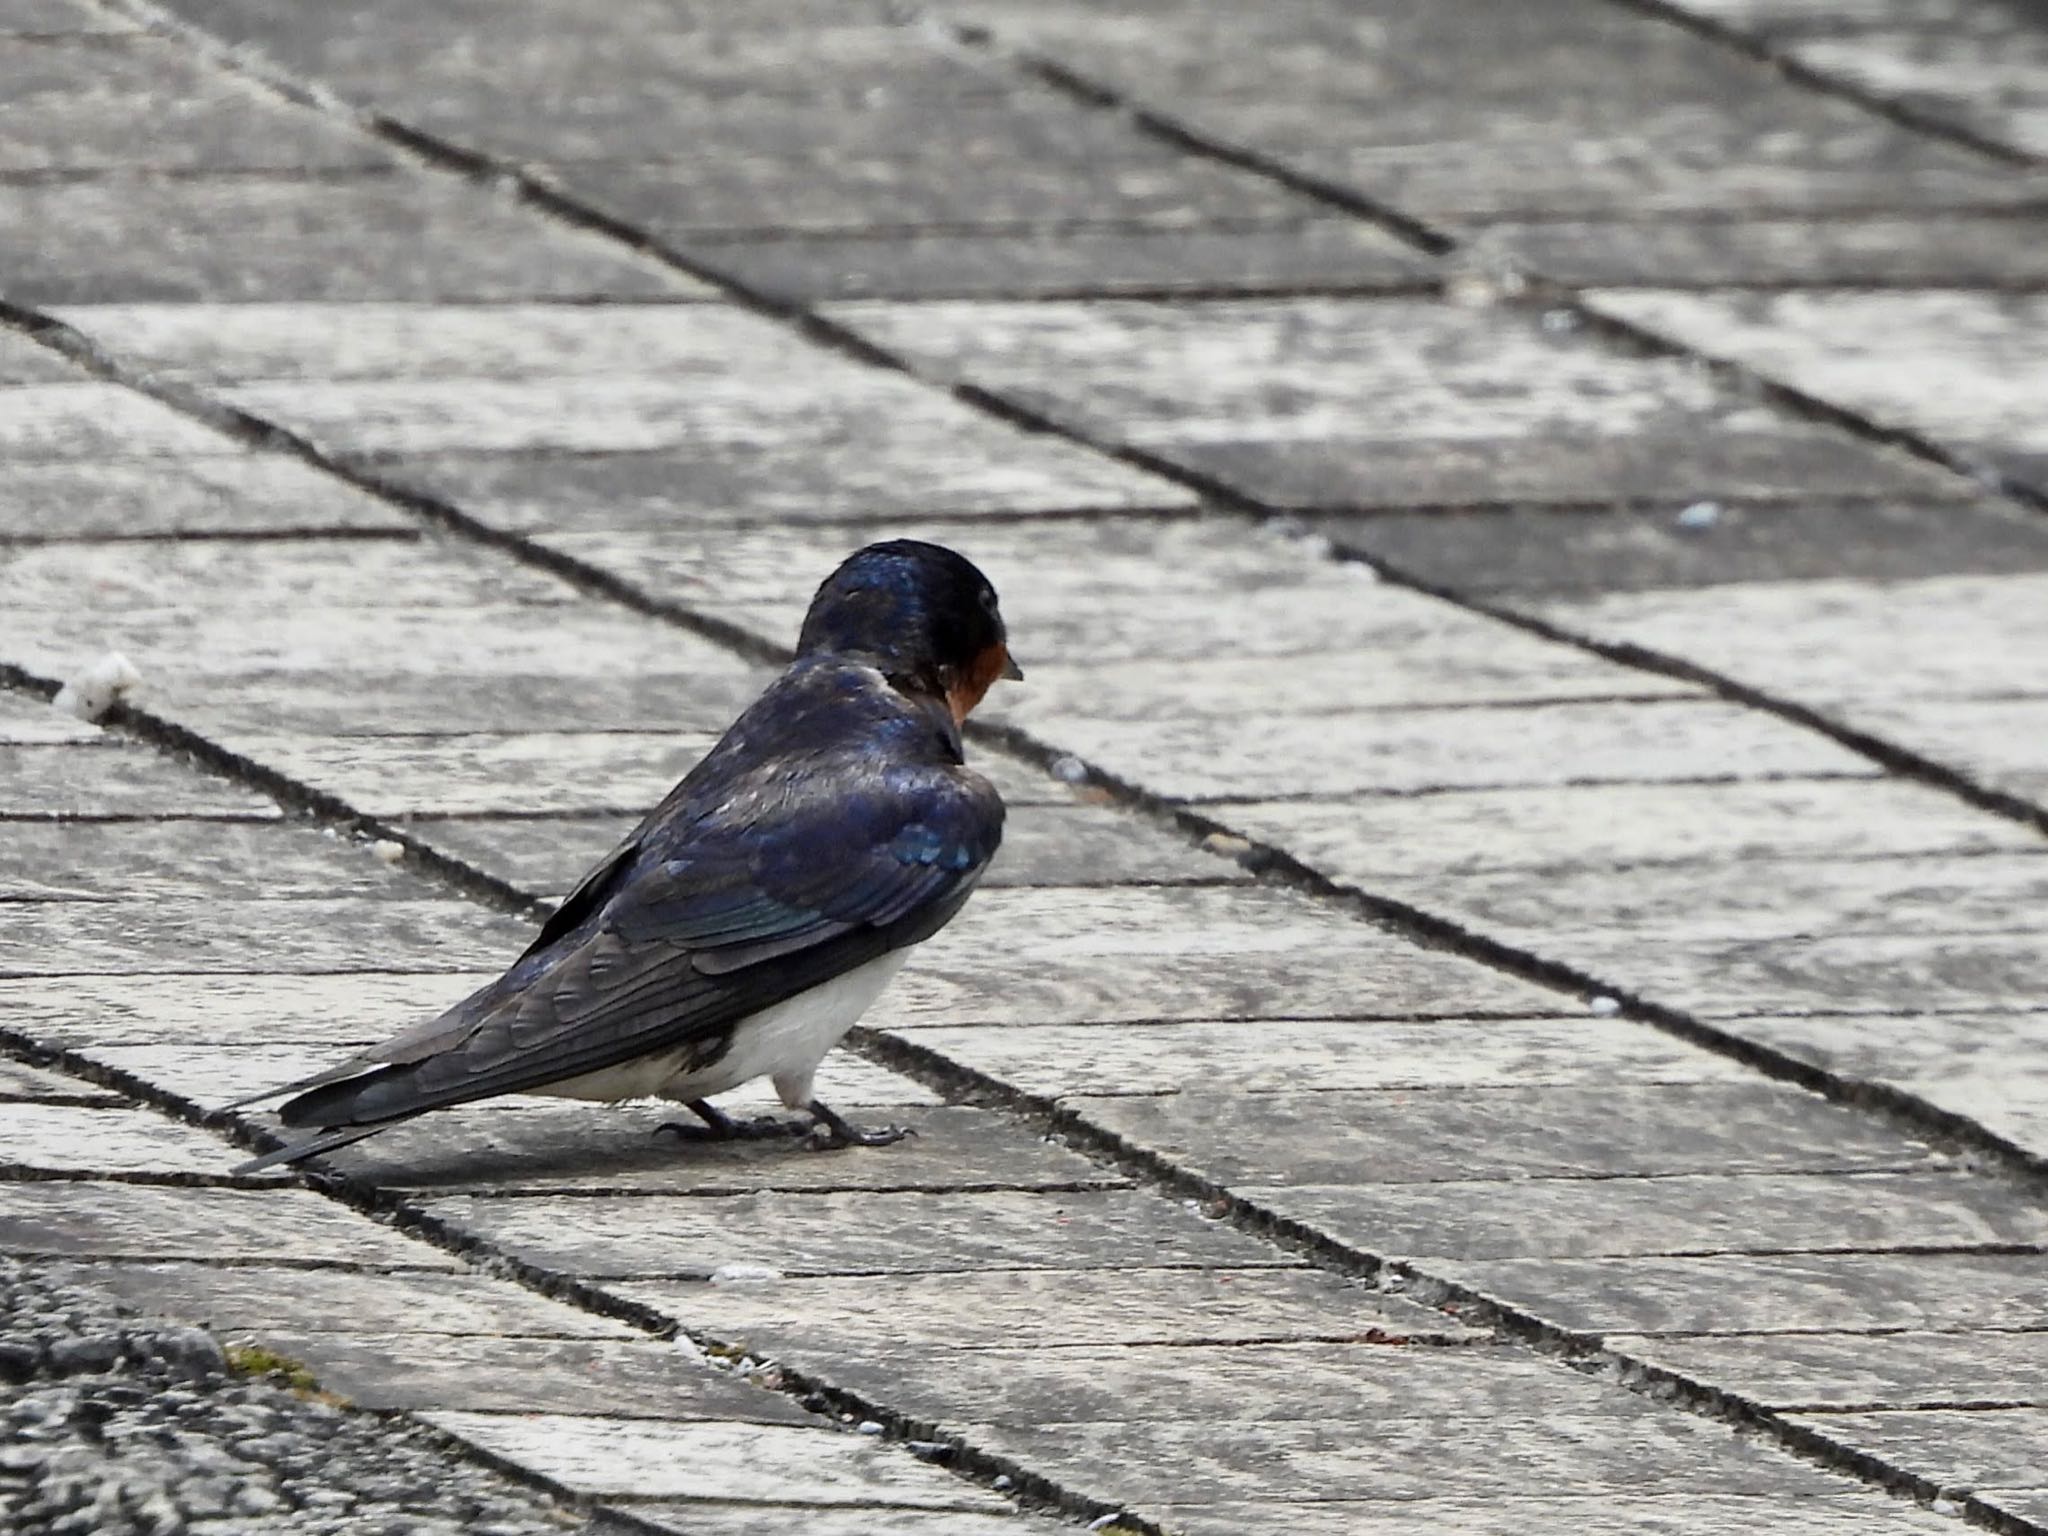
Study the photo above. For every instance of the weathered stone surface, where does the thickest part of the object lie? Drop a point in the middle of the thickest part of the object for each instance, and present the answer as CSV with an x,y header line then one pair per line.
x,y
1256,1055
27,721
318,1011
1376,839
139,1221
1983,893
90,780
221,860
383,235
1160,952
1783,1293
1855,1370
1406,751
126,499
1997,742
1025,1309
94,421
1690,1213
1324,1135
1863,973
1940,638
1053,263
1987,1447
23,1084
828,1234
57,18
1271,397
73,1138
1961,367
182,933
640,1379
145,103
26,361
306,1303
1245,1384
1639,1514
568,1149
696,1518
1553,550
1157,1463
781,1463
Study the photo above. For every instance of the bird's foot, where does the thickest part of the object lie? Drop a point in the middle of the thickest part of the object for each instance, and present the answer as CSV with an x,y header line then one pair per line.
x,y
719,1126
830,1131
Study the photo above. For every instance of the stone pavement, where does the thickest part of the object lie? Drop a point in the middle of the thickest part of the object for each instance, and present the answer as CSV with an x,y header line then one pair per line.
x,y
1514,997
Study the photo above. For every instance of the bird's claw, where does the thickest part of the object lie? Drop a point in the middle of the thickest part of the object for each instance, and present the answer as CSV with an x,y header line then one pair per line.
x,y
827,1137
757,1128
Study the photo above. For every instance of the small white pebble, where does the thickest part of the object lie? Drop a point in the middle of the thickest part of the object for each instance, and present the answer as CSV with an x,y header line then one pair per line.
x,y
1003,1483
1229,844
1359,571
745,1274
1070,770
97,688
388,850
1700,515
870,1426
1950,1507
1603,1006
1105,1521
1557,320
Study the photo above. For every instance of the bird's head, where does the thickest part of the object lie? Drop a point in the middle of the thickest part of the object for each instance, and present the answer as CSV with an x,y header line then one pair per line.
x,y
923,614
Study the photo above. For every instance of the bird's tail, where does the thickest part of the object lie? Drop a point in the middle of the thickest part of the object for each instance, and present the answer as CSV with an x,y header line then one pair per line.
x,y
326,1141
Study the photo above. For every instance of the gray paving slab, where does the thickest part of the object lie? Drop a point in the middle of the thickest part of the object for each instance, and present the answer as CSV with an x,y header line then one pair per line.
x,y
1318,1134
74,780
1334,403
312,1010
58,18
26,719
92,420
1793,1293
837,1234
1844,1370
1996,742
1027,1309
1586,1514
614,1458
1687,1213
87,1139
381,235
27,1085
1373,839
1162,1463
1985,1447
697,1517
66,1219
125,499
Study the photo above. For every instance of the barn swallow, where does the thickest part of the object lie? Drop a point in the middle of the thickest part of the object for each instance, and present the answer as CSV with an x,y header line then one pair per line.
x,y
761,907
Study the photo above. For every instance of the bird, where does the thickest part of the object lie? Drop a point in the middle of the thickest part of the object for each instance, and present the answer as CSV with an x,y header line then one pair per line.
x,y
758,911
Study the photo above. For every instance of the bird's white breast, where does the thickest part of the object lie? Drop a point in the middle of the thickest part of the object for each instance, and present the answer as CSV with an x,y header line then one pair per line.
x,y
785,1042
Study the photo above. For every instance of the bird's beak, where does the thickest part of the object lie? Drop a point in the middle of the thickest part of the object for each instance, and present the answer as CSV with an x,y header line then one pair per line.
x,y
1011,670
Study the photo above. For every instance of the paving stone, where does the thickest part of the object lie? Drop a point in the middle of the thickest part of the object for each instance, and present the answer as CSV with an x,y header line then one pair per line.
x,y
1551,550
56,18
380,235
611,1458
1042,845
1855,1370
1959,366
642,1379
2026,1503
24,360
1410,751
1262,1055
223,860
1242,1384
1982,1066
1372,840
1866,973
1023,1309
126,499
1690,1213
1796,1293
1065,263
27,720
696,1518
1995,741
1982,893
23,1084
95,421
136,1221
337,1305
1842,1514
1991,1447
571,1151
1991,250
1941,638
828,1234
1043,956
74,1138
1407,1459
177,933
141,102
314,1011
74,781
1268,396
1324,1135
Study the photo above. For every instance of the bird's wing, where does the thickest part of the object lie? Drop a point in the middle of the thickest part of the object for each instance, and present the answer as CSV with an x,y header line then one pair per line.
x,y
823,874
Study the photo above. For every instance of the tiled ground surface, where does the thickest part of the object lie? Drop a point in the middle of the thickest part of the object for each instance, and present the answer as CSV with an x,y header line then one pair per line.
x,y
1522,1007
